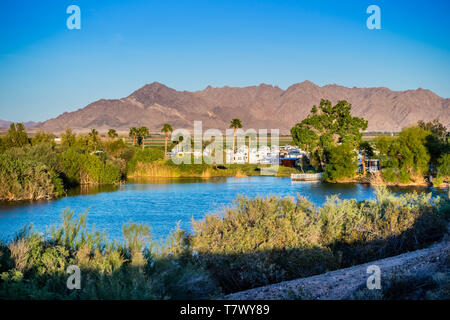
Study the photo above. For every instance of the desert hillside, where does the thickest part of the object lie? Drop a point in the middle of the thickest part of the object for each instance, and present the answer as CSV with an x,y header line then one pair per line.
x,y
262,106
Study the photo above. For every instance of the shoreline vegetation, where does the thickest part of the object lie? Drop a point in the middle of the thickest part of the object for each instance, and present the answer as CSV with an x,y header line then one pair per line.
x,y
38,168
254,242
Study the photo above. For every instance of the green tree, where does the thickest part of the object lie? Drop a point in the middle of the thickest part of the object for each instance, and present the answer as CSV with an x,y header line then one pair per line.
x,y
327,126
437,142
235,124
94,139
68,138
167,128
112,134
366,151
406,154
16,136
2,145
342,163
133,133
42,137
142,132
443,170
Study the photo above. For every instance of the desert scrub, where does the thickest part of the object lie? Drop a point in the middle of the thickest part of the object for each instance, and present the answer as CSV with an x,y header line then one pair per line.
x,y
261,241
252,243
33,266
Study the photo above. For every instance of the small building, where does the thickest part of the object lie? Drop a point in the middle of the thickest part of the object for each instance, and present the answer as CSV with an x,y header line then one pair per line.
x,y
289,162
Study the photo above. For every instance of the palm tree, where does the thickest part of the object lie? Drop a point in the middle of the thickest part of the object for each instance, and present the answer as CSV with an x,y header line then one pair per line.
x,y
235,124
143,132
93,137
133,133
166,129
112,134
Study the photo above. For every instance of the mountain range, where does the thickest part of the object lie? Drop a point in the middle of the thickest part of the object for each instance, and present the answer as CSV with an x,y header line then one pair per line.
x,y
263,106
5,124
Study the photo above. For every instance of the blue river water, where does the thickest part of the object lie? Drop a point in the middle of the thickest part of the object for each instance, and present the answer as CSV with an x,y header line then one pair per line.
x,y
163,203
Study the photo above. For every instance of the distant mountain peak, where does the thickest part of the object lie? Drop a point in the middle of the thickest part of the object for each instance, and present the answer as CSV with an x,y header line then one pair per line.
x,y
262,106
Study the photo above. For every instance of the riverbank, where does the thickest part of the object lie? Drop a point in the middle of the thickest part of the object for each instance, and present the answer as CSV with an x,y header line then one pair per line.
x,y
376,180
167,169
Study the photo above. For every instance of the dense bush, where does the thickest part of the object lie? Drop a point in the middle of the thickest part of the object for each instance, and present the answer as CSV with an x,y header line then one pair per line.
x,y
266,240
144,156
34,267
406,157
25,179
81,168
342,163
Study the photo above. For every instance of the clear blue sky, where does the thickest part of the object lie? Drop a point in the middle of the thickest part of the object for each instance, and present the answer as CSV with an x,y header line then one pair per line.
x,y
46,69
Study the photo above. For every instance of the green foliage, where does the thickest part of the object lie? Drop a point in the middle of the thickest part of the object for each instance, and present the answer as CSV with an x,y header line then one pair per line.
x,y
42,137
366,149
389,175
27,179
16,136
325,127
405,155
437,142
36,266
235,123
342,163
112,134
145,156
444,165
167,128
81,168
260,241
141,133
68,138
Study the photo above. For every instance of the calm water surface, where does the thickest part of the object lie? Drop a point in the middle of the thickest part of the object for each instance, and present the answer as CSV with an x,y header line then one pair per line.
x,y
162,203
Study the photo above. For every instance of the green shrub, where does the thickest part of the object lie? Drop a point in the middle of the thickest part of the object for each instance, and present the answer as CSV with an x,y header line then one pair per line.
x,y
36,265
404,176
262,241
145,156
443,170
27,180
81,168
389,175
341,164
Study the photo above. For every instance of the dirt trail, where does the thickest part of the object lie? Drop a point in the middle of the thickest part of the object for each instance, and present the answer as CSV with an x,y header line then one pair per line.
x,y
339,284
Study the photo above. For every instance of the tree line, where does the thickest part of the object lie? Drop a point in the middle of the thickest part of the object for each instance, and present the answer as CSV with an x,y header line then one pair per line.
x,y
332,136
